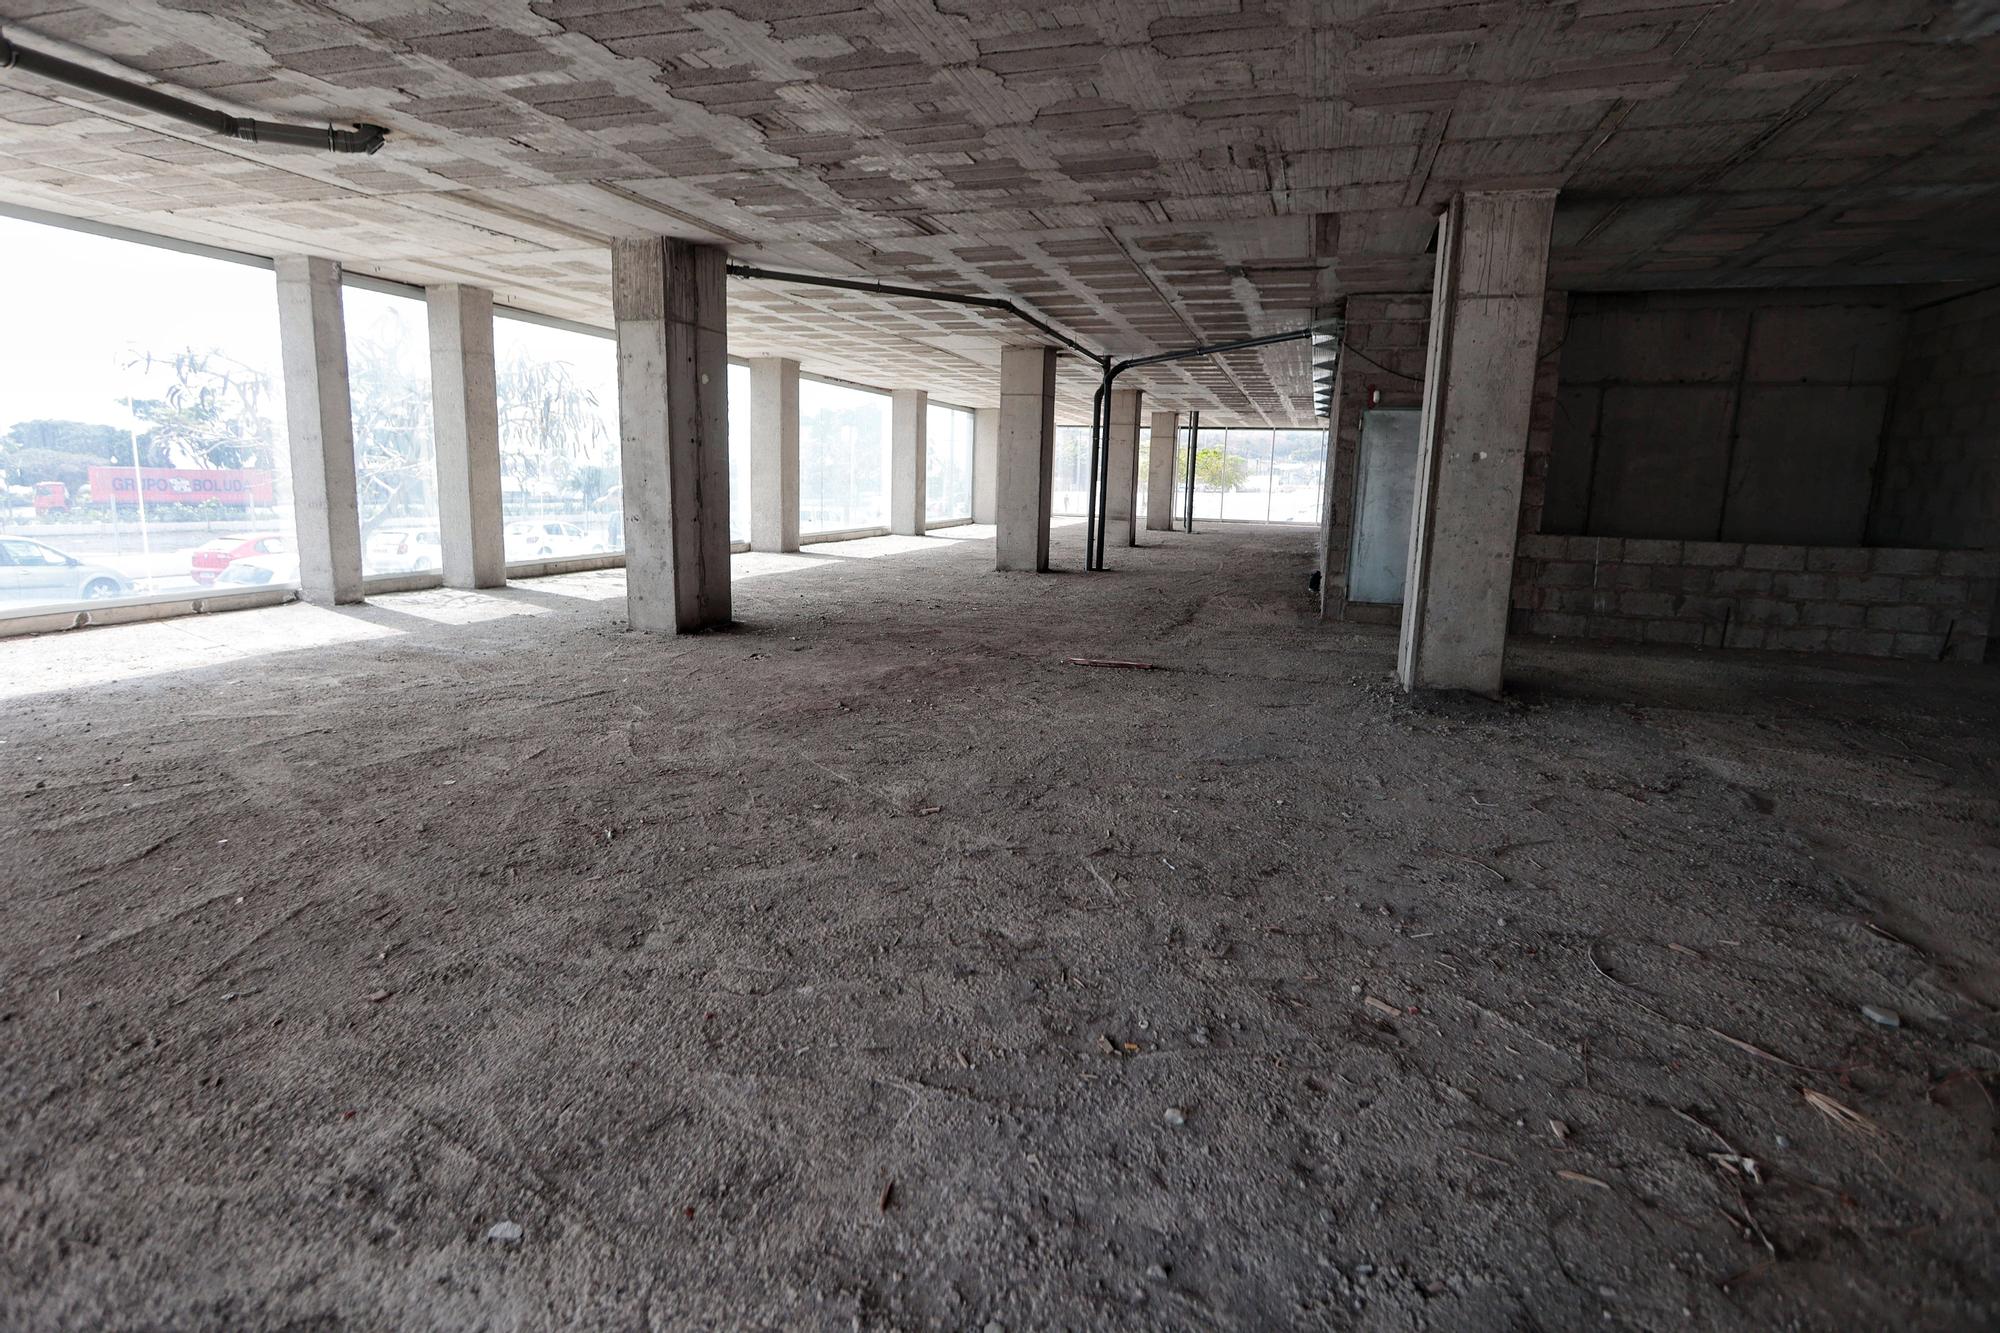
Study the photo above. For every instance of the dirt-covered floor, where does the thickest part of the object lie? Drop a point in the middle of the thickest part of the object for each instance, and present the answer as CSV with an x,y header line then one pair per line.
x,y
464,961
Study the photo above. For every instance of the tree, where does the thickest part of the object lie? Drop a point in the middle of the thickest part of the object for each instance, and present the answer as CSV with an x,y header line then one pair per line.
x,y
213,414
394,456
1215,470
552,433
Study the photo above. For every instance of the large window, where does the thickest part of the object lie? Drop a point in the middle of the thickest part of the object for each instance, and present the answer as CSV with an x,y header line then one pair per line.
x,y
948,464
1253,475
142,443
395,455
1072,471
559,479
843,458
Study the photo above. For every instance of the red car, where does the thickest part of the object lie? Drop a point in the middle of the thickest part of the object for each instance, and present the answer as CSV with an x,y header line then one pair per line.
x,y
211,558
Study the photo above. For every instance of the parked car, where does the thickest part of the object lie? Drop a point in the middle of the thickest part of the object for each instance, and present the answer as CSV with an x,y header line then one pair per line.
x,y
33,572
404,551
544,538
211,558
258,571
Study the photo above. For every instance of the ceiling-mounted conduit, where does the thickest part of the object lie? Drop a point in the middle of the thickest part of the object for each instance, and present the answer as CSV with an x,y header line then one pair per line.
x,y
360,139
737,270
1100,456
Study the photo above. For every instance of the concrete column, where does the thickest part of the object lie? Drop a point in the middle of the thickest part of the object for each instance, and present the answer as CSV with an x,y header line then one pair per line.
x,y
466,419
1160,472
985,454
1121,498
1486,319
673,432
908,448
1024,458
774,454
319,421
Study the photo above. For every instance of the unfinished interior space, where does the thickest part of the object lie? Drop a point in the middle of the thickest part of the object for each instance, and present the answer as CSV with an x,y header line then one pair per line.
x,y
903,664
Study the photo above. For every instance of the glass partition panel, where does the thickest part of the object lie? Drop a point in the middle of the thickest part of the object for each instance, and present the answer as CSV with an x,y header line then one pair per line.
x,y
1072,471
947,464
739,453
843,458
142,438
1298,473
395,456
559,481
1246,493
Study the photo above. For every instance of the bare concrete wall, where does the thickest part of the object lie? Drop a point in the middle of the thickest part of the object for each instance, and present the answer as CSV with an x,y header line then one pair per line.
x,y
1723,416
1940,476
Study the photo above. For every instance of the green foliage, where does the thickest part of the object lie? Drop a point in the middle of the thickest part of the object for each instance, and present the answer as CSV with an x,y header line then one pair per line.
x,y
1215,470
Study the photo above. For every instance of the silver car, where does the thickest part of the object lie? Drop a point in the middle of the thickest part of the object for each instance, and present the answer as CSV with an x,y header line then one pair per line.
x,y
32,572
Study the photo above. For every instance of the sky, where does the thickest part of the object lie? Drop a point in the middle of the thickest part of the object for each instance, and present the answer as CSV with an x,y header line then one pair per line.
x,y
80,307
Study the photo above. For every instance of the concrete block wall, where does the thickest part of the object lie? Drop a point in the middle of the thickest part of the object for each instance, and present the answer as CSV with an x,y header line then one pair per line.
x,y
1873,601
1939,483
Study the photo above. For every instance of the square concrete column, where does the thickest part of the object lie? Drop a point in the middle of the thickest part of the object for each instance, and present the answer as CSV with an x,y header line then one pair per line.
x,y
1160,472
466,414
1121,498
319,423
985,454
1486,319
909,414
673,432
1024,458
774,454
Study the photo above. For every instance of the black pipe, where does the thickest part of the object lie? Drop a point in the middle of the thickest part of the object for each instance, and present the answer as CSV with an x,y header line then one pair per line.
x,y
360,139
1194,447
753,271
1113,370
1097,408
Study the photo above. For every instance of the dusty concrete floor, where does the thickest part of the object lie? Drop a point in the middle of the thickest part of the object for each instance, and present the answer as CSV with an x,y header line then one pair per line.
x,y
869,966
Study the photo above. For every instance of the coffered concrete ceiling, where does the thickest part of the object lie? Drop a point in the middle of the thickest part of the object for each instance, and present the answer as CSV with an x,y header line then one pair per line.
x,y
1145,174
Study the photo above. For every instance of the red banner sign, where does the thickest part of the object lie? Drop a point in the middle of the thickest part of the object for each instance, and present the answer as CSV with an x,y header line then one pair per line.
x,y
184,486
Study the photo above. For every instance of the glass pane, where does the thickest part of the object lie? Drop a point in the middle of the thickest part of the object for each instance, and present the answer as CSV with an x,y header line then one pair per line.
x,y
1211,473
395,457
843,458
559,481
1246,493
1145,468
947,464
1298,471
739,453
142,439
1072,472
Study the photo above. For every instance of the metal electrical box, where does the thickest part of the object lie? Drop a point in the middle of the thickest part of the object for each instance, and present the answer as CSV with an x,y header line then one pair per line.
x,y
1384,490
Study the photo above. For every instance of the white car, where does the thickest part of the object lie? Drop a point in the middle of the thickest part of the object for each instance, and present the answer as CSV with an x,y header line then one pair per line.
x,y
404,551
542,539
258,571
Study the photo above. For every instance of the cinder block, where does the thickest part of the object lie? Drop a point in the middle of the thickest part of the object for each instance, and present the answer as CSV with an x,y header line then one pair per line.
x,y
1966,648
1741,581
1919,645
1803,587
1893,560
1712,553
1559,626
1647,605
1837,559
1539,546
1681,579
1741,635
1566,574
1623,576
1974,564
1652,552
1869,588
1798,638
1594,548
1864,643
1674,631
1768,611
1903,619
1833,615
1774,557
1937,591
